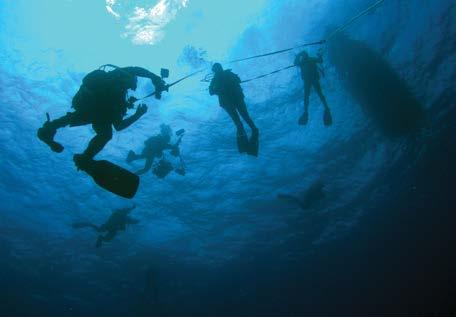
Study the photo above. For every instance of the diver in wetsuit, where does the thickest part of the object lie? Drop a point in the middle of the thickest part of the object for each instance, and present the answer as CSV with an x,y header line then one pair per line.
x,y
311,77
118,221
226,85
101,101
154,147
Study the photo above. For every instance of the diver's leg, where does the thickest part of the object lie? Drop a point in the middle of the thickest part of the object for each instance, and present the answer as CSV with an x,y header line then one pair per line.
x,y
109,236
103,136
242,109
47,132
241,136
181,169
254,138
235,117
306,97
147,166
305,116
319,91
132,156
106,238
327,117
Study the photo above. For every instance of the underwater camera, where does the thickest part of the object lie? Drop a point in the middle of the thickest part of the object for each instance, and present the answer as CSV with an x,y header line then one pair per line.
x,y
164,73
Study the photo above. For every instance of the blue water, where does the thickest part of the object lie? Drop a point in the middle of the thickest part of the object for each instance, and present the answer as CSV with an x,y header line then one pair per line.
x,y
218,242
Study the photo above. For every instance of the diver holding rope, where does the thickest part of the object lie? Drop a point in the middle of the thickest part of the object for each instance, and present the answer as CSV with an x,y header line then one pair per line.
x,y
101,102
310,74
226,85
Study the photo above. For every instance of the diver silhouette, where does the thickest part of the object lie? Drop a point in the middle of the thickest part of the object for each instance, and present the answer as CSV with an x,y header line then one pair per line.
x,y
226,85
154,147
101,101
118,221
311,78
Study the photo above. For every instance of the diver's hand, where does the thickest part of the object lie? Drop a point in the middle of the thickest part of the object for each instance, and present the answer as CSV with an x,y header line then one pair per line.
x,y
132,99
141,110
131,102
160,86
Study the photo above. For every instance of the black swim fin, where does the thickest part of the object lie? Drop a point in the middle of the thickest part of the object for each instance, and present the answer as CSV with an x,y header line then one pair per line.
x,y
242,142
254,144
110,176
327,118
304,118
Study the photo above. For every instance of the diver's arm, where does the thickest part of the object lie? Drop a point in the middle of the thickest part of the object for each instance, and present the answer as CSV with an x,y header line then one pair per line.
x,y
175,151
212,88
170,146
157,81
235,78
147,166
297,60
142,72
125,123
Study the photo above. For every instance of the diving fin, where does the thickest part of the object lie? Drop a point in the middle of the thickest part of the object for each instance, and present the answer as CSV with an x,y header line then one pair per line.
x,y
110,176
242,142
254,144
327,118
304,118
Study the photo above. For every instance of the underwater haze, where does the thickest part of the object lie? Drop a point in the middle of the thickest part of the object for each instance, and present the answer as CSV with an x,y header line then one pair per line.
x,y
353,219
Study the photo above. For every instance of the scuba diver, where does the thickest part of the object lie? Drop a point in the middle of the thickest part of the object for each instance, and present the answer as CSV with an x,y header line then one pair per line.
x,y
101,101
154,147
227,86
311,78
118,221
313,194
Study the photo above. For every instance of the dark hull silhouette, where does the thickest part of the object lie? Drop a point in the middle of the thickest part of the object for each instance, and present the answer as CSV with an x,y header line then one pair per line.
x,y
375,85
